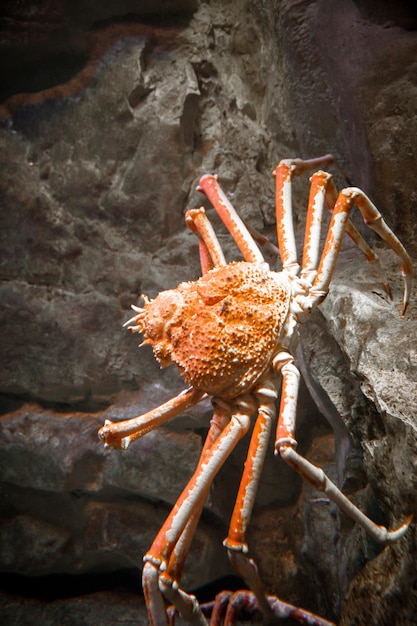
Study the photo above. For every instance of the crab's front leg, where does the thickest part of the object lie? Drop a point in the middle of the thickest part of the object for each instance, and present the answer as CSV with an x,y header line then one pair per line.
x,y
121,434
160,562
236,540
285,446
184,603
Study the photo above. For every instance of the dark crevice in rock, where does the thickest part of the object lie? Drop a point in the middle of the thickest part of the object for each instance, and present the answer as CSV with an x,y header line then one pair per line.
x,y
173,20
58,586
28,75
12,402
390,14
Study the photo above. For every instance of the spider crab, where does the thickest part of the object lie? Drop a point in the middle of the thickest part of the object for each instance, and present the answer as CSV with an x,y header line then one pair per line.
x,y
232,333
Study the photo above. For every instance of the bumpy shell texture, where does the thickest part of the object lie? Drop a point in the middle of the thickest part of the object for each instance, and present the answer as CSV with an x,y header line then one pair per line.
x,y
221,330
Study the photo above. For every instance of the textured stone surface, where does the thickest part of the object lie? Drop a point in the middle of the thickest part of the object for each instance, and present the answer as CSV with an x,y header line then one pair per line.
x,y
381,350
120,607
76,507
99,159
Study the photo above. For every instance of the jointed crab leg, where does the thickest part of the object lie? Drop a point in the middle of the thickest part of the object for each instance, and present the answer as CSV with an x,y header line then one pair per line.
x,y
318,478
347,199
211,254
219,421
232,221
271,608
350,230
323,191
121,434
285,444
169,580
236,539
234,602
320,182
206,470
283,610
284,364
370,254
186,604
190,500
284,174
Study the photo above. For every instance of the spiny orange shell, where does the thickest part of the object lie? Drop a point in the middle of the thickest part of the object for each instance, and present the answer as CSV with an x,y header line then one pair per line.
x,y
221,330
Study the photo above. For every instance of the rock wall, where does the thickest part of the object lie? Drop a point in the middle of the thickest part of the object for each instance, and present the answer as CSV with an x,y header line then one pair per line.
x,y
110,113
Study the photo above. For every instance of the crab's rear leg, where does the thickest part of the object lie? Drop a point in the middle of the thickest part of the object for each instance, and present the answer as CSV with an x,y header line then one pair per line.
x,y
323,192
347,199
228,606
284,173
285,446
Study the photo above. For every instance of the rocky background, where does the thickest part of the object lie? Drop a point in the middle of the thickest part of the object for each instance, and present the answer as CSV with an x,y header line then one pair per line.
x,y
110,113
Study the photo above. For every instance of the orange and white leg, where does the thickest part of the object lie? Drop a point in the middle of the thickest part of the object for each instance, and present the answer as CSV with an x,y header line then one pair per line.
x,y
232,221
347,199
121,434
284,174
235,542
211,254
255,600
158,559
169,581
321,186
285,446
323,192
166,583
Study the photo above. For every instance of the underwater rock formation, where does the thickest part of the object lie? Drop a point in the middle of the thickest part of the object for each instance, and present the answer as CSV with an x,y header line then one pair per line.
x,y
109,116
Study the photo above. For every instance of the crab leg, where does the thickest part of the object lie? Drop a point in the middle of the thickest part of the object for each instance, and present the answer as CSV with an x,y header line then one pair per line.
x,y
323,191
121,434
192,497
242,511
169,581
346,200
232,221
285,444
271,607
236,540
211,254
320,181
280,610
370,254
284,174
230,604
318,479
351,231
